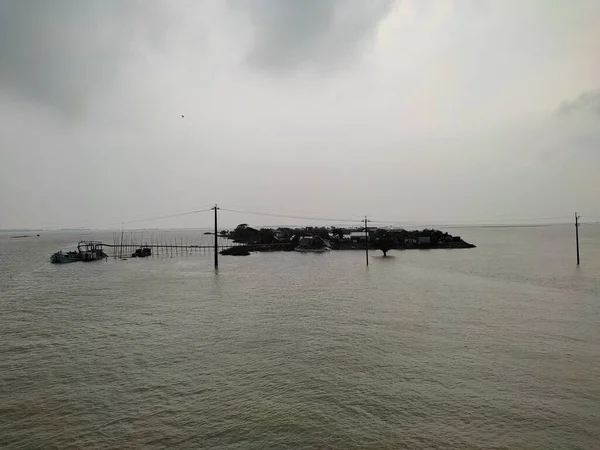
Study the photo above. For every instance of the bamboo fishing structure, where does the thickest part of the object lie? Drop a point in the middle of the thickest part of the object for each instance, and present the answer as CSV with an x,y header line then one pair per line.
x,y
125,244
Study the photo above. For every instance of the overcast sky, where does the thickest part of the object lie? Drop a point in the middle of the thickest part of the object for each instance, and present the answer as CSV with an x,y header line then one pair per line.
x,y
408,111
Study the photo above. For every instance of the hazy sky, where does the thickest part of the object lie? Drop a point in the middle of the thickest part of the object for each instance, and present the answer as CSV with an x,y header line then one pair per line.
x,y
410,111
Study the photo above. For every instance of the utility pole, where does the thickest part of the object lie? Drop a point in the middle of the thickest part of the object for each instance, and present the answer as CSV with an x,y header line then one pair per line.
x,y
577,235
366,240
216,208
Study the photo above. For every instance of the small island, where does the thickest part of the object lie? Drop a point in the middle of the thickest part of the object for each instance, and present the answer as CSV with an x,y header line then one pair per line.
x,y
319,239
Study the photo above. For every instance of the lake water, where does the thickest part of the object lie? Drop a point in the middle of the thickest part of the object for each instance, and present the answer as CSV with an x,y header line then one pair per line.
x,y
493,347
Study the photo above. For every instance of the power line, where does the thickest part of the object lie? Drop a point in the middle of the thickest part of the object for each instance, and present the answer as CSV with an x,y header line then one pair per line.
x,y
328,219
480,221
292,217
169,216
137,220
406,222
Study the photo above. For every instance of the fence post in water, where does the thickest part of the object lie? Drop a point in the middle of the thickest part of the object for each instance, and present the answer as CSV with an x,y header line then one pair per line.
x,y
216,208
577,235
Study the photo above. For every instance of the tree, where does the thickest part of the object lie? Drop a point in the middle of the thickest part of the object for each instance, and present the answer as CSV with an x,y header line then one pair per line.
x,y
385,243
321,232
339,232
378,233
244,233
267,236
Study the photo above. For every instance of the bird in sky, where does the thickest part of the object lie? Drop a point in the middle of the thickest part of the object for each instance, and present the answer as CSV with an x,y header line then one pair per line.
x,y
182,116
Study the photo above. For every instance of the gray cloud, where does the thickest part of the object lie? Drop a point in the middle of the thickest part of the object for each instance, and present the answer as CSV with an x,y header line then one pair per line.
x,y
446,119
588,102
317,33
61,53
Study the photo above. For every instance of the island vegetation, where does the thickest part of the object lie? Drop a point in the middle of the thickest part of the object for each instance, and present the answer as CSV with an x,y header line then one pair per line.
x,y
385,239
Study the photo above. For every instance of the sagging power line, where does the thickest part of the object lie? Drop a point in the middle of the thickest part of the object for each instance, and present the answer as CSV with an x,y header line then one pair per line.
x,y
317,218
284,216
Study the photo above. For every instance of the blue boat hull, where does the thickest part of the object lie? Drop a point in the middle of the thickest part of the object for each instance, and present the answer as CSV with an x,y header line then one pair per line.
x,y
61,258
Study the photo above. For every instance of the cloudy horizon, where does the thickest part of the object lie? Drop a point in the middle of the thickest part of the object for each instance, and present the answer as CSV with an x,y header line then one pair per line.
x,y
445,112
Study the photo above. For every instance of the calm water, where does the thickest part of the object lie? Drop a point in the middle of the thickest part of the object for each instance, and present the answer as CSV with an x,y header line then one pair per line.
x,y
494,347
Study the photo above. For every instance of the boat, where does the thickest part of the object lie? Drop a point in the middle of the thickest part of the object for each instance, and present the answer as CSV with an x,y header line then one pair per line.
x,y
313,244
86,251
64,258
142,253
91,250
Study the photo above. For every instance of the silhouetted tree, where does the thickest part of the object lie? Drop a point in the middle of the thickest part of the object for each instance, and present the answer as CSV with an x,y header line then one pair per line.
x,y
338,232
321,232
378,233
385,243
244,233
267,236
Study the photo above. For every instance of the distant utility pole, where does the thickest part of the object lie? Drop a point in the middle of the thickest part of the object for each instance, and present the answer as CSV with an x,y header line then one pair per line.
x,y
216,208
367,240
577,235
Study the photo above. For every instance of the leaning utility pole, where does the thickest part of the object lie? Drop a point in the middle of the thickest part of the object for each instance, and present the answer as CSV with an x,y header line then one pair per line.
x,y
577,235
366,240
216,208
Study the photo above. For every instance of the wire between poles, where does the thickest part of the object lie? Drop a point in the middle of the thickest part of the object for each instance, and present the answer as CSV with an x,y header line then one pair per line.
x,y
134,221
283,216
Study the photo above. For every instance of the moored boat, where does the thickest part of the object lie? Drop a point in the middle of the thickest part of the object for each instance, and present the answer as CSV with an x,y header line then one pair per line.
x,y
142,253
91,250
86,251
64,258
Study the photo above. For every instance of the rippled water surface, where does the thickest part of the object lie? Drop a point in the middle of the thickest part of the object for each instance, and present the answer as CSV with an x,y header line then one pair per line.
x,y
494,347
